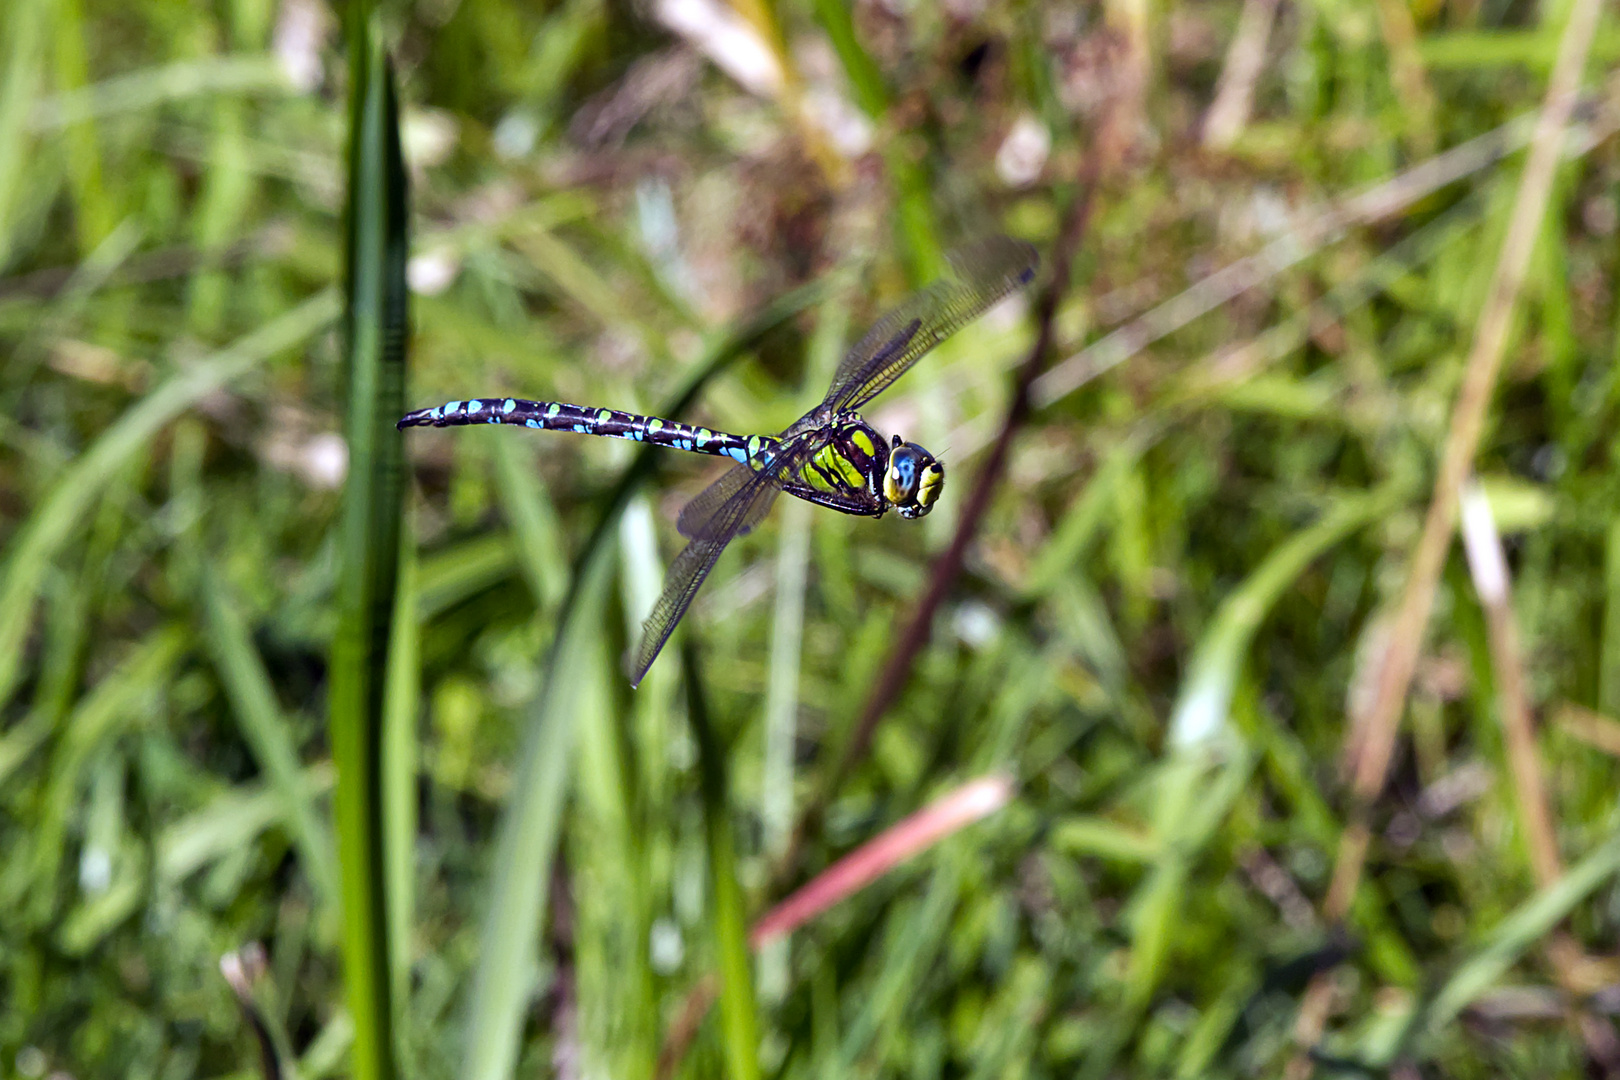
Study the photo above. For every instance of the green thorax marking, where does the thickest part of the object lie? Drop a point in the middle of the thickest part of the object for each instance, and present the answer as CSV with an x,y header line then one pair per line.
x,y
849,463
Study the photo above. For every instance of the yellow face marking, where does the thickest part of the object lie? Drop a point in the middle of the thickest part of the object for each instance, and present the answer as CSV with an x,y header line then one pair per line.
x,y
891,486
929,485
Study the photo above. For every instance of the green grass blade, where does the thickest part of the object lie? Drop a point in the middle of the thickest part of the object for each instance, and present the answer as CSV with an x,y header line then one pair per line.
x,y
141,91
534,521
1520,931
94,214
526,839
38,541
1193,797
461,571
738,1022
1206,695
118,701
401,705
863,73
375,319
233,819
25,29
253,699
65,634
919,232
1609,654
613,979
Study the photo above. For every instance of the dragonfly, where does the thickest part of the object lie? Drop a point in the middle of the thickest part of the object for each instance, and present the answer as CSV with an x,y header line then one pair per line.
x,y
830,456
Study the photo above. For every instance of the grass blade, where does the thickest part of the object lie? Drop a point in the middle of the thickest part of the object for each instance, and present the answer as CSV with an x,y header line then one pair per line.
x,y
738,1021
526,840
374,365
1201,710
1521,931
401,704
38,541
253,699
118,701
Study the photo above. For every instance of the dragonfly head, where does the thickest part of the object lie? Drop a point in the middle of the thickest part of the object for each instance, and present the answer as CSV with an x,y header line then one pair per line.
x,y
914,479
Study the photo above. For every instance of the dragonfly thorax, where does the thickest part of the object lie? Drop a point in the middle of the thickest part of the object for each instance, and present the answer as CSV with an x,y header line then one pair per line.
x,y
854,470
913,480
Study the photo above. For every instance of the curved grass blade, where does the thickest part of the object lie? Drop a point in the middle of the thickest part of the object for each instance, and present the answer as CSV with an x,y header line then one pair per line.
x,y
375,318
1519,932
1201,709
526,839
401,704
1209,763
253,699
117,702
37,542
738,1020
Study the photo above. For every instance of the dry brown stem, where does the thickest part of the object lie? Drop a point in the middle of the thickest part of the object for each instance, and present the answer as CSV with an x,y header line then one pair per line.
x,y
1234,93
1462,444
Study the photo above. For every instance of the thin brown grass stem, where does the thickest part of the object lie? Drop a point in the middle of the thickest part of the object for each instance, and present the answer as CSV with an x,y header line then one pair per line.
x,y
1487,564
1592,728
1369,206
909,642
1468,418
684,1028
1234,92
1376,746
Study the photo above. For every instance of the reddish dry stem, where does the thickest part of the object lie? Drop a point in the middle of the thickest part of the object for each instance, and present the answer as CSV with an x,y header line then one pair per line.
x,y
927,827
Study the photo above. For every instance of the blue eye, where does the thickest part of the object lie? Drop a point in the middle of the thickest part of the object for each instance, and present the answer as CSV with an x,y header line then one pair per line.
x,y
906,468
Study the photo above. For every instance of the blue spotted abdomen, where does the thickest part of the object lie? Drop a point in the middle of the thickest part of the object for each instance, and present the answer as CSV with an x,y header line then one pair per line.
x,y
560,416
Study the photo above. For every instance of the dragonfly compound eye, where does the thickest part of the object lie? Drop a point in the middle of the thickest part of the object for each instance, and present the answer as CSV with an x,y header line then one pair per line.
x,y
913,481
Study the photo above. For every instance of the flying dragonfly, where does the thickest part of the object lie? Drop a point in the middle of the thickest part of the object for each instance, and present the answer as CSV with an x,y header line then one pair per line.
x,y
830,456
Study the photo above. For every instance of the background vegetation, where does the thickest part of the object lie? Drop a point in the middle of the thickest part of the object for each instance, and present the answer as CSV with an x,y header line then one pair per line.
x,y
1301,785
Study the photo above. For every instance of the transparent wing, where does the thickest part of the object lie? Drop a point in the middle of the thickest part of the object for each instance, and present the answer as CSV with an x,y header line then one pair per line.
x,y
686,574
981,273
707,516
702,514
745,505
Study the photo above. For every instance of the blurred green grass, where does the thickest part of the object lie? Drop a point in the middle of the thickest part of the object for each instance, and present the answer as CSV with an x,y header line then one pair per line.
x,y
1205,540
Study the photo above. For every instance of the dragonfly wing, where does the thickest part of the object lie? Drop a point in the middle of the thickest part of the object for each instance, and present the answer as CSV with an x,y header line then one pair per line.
x,y
686,573
709,514
700,516
725,509
744,506
981,273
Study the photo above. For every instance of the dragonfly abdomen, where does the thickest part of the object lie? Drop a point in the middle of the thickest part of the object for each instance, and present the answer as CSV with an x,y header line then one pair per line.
x,y
610,423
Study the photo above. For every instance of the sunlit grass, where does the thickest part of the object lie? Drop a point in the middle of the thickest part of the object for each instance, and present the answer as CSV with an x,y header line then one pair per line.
x,y
251,679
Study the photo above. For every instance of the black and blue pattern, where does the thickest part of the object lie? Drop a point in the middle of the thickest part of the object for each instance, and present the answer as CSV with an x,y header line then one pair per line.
x,y
561,416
